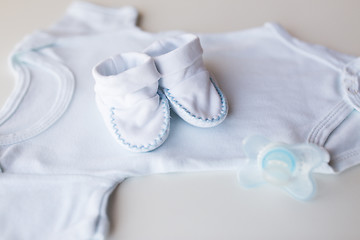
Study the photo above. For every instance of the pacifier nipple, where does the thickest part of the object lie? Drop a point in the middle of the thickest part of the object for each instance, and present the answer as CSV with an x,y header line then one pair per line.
x,y
277,173
277,165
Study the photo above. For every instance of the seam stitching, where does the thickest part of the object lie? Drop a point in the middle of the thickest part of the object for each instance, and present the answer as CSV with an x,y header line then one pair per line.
x,y
213,119
157,141
314,134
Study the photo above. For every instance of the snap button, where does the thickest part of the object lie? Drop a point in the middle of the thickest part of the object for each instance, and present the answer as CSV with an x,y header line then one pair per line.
x,y
351,83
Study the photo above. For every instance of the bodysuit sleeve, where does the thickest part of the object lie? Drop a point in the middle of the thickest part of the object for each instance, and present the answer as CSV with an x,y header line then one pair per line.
x,y
42,195
86,18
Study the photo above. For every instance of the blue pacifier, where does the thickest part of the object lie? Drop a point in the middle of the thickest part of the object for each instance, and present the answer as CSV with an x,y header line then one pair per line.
x,y
287,166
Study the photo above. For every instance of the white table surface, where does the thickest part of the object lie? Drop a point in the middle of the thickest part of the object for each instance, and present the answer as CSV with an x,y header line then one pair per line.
x,y
212,205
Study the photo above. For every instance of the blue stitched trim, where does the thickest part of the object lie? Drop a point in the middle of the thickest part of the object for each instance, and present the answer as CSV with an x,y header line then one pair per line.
x,y
157,141
217,118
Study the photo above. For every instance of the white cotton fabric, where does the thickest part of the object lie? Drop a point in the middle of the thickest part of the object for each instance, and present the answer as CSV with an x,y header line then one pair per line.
x,y
191,91
126,88
60,163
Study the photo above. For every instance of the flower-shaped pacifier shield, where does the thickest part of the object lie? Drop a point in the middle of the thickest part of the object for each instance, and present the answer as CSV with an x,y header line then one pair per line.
x,y
287,166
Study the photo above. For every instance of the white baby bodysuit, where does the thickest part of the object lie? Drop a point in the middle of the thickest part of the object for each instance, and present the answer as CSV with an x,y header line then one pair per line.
x,y
59,163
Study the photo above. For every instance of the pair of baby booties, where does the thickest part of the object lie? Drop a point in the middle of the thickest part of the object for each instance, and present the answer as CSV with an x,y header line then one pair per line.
x,y
134,92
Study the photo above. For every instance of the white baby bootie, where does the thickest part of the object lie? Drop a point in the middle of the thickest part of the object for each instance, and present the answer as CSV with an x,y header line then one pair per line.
x,y
192,92
127,96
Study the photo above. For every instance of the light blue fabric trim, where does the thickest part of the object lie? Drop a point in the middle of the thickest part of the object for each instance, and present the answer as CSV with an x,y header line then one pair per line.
x,y
22,84
157,141
219,117
23,76
64,95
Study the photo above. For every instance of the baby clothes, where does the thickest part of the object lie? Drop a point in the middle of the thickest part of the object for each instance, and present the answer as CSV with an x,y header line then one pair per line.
x,y
136,114
59,163
191,91
135,107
